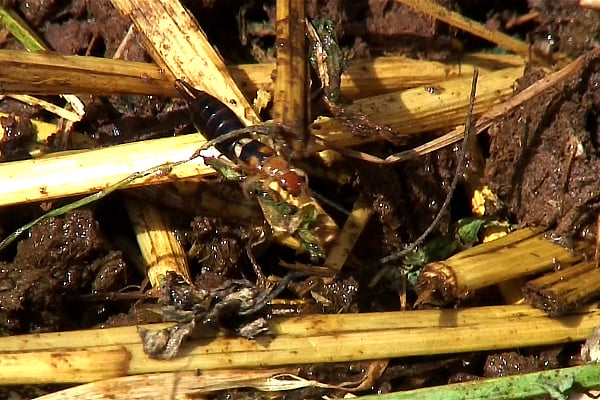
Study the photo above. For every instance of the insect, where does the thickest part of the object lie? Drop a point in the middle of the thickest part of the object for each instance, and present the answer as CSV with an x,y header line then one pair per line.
x,y
281,190
215,119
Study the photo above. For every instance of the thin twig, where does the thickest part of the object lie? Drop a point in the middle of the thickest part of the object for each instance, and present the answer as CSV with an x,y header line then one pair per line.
x,y
459,170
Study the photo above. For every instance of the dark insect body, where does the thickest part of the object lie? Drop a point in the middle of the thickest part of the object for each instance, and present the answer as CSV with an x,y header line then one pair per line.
x,y
214,119
280,189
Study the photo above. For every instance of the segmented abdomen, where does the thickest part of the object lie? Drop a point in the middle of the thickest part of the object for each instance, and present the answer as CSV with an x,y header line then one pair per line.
x,y
211,117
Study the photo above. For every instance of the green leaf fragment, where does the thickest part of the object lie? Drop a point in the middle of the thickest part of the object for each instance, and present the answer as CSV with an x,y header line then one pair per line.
x,y
556,383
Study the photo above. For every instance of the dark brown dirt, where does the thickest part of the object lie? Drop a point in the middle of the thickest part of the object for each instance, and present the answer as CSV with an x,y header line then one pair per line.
x,y
542,161
63,258
513,363
17,133
544,157
406,198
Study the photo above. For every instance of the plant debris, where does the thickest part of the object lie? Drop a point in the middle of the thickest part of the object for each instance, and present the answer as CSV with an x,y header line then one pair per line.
x,y
237,306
